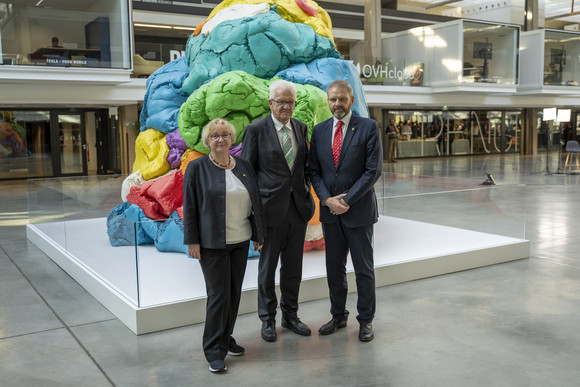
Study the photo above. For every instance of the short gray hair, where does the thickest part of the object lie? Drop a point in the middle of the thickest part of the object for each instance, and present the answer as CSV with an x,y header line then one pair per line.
x,y
210,126
341,84
281,84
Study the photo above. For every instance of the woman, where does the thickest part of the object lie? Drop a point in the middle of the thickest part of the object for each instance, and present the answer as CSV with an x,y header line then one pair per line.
x,y
222,211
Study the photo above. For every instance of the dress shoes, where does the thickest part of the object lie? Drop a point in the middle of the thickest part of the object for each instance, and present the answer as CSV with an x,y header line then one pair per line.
x,y
296,326
366,332
217,366
332,326
269,330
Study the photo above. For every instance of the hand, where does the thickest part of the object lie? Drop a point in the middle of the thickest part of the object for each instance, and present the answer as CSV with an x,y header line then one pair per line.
x,y
336,204
194,251
257,246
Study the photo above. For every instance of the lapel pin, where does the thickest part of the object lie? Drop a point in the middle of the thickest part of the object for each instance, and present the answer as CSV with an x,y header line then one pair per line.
x,y
243,174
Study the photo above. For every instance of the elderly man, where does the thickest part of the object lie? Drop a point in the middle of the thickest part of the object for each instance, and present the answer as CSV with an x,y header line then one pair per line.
x,y
277,147
345,162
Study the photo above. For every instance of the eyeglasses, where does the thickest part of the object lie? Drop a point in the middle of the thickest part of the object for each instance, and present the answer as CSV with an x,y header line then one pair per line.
x,y
289,103
216,137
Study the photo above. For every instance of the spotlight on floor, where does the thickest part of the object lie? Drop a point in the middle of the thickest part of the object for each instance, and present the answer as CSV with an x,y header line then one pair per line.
x,y
488,180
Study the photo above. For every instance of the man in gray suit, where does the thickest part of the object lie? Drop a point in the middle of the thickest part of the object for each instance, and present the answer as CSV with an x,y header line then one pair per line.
x,y
277,148
345,162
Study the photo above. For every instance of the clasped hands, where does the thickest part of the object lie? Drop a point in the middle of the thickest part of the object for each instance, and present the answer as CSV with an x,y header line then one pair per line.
x,y
336,204
194,249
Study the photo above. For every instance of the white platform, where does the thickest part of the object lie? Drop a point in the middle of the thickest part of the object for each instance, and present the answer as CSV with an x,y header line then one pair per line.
x,y
172,289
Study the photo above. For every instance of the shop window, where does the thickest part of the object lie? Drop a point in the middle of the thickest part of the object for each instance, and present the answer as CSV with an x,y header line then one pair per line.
x,y
441,133
25,147
490,53
82,33
561,53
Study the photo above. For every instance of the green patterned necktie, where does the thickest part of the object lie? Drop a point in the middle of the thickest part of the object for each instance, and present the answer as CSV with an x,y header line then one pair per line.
x,y
287,147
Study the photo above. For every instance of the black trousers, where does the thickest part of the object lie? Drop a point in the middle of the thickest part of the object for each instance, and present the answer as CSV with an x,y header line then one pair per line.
x,y
284,243
223,270
339,240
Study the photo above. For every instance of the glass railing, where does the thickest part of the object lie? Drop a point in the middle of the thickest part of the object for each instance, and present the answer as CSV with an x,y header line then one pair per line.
x,y
71,214
74,216
459,203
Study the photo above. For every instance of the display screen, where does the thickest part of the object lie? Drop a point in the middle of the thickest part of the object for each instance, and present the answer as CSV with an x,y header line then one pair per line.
x,y
558,56
482,50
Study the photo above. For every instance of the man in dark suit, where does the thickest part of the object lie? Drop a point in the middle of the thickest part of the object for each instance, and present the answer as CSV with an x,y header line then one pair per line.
x,y
345,162
277,147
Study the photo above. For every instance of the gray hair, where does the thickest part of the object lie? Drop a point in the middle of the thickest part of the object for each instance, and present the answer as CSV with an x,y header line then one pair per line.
x,y
210,126
341,84
281,84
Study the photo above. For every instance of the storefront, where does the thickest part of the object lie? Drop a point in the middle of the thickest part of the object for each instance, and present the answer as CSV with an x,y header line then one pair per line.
x,y
425,133
57,142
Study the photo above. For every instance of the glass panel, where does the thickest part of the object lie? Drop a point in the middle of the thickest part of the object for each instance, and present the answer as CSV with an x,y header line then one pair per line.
x,y
419,132
74,214
46,208
561,58
436,133
78,33
513,132
25,149
70,140
490,53
497,209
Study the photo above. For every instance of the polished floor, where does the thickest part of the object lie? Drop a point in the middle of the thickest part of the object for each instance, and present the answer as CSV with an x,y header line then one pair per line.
x,y
512,324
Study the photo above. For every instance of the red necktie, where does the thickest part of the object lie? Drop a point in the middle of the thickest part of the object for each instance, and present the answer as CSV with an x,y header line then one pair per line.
x,y
337,142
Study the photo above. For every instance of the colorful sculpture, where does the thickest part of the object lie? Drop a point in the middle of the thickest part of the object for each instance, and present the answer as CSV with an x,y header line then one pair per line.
x,y
230,61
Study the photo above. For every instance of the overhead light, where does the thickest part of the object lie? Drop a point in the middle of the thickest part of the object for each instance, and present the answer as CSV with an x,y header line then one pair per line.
x,y
39,2
549,114
163,26
563,115
152,26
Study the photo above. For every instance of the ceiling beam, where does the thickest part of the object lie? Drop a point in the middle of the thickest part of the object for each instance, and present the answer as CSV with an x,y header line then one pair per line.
x,y
442,4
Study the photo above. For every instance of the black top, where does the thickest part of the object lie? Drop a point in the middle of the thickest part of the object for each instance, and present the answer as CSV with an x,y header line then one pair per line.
x,y
204,202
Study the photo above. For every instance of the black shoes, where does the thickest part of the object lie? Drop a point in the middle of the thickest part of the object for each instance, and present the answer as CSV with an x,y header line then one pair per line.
x,y
235,349
269,330
332,326
366,332
296,326
217,366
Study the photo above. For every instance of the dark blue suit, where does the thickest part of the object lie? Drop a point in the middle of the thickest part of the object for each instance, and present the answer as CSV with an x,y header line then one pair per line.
x,y
359,167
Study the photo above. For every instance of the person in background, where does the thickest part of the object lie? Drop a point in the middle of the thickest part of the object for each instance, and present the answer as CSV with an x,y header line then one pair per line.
x,y
345,162
406,130
392,132
55,42
277,147
221,211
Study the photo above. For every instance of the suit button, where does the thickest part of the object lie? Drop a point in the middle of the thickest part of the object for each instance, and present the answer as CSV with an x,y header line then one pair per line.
x,y
335,174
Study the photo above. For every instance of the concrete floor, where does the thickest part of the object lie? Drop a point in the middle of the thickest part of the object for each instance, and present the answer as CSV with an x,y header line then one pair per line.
x,y
513,324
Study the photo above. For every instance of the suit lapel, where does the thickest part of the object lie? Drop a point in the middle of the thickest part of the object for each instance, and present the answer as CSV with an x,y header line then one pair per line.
x,y
299,141
274,140
326,135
